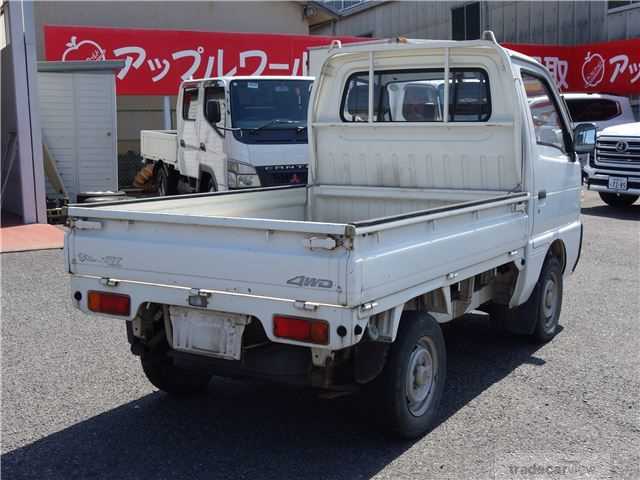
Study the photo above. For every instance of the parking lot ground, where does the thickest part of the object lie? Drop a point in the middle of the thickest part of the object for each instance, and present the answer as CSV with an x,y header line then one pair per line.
x,y
75,403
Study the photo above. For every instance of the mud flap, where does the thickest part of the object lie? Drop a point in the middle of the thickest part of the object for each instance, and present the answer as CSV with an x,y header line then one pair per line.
x,y
369,360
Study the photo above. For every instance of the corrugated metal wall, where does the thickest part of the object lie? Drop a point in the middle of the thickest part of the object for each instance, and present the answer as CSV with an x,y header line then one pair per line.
x,y
551,22
136,112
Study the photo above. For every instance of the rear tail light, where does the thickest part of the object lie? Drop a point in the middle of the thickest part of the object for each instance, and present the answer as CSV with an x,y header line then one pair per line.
x,y
301,329
109,303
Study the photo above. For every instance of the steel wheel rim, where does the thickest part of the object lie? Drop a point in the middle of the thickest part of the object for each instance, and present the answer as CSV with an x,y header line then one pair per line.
x,y
550,296
421,377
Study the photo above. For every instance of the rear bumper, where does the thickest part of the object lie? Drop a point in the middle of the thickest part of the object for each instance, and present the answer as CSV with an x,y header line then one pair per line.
x,y
259,307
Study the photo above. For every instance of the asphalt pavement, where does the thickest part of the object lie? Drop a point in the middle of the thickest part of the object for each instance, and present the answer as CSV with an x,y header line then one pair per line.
x,y
75,403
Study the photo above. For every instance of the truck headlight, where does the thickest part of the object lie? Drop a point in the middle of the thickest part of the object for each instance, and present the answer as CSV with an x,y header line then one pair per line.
x,y
241,175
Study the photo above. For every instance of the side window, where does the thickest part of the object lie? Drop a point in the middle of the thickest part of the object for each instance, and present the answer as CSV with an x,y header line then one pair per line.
x,y
418,96
190,103
215,93
544,112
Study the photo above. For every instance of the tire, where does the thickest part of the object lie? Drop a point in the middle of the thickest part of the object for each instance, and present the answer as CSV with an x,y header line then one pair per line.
x,y
104,199
542,310
164,375
208,185
618,200
408,391
166,181
547,301
159,366
539,316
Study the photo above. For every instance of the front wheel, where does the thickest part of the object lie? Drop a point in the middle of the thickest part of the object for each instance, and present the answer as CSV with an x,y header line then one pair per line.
x,y
542,310
210,185
618,200
409,389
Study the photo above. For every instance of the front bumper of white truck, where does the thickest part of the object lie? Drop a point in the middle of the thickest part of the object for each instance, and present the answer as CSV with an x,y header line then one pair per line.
x,y
615,166
600,182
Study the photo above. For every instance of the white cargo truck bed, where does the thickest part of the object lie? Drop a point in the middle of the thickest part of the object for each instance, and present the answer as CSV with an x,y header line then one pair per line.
x,y
257,241
159,145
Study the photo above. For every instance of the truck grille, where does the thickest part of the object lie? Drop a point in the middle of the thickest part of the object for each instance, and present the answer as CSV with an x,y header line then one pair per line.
x,y
274,175
618,154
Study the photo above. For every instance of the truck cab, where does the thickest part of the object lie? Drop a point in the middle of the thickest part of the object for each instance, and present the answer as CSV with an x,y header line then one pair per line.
x,y
233,133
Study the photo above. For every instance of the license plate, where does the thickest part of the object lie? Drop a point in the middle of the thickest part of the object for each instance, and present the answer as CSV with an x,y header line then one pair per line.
x,y
617,183
207,332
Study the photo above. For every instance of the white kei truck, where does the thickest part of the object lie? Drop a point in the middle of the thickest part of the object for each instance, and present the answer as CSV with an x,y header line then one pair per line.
x,y
433,192
232,133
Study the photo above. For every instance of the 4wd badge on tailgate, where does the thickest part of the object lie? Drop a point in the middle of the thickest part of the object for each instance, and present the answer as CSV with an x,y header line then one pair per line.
x,y
302,281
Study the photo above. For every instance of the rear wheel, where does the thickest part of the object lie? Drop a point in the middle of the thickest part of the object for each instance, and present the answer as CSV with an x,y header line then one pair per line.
x,y
410,387
157,363
618,200
166,181
160,370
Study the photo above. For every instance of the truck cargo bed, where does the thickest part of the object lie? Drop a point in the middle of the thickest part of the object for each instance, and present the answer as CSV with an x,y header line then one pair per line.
x,y
320,204
261,241
159,145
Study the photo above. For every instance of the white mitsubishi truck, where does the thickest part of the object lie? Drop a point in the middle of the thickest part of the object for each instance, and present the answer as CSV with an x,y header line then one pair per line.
x,y
434,190
232,133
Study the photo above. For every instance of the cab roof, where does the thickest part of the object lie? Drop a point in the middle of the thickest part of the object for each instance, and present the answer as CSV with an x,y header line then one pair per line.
x,y
249,77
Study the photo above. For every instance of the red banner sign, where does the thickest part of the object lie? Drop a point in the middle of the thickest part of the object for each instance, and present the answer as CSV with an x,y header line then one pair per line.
x,y
156,61
609,67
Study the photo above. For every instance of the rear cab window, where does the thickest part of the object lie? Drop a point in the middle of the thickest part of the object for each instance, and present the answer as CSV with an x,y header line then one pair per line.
x,y
592,110
418,96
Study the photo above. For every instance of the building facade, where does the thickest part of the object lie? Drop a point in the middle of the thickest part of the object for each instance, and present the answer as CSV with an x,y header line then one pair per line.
x,y
135,112
546,22
563,23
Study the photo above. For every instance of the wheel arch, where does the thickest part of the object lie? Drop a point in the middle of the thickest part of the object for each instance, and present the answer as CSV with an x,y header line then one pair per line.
x,y
204,171
157,165
558,249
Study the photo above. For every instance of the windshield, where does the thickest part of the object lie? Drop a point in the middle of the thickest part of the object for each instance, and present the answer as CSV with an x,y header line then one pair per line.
x,y
283,103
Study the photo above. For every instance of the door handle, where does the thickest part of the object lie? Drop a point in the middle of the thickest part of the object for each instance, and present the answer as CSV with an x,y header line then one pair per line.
x,y
182,143
203,147
542,194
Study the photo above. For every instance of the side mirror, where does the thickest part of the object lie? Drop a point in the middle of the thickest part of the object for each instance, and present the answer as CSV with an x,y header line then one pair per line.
x,y
584,138
212,111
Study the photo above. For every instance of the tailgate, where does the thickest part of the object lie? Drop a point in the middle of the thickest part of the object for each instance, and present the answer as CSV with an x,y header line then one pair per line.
x,y
260,257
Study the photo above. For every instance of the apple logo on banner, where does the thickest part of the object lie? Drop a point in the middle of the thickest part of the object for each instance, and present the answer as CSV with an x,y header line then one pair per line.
x,y
84,50
593,69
